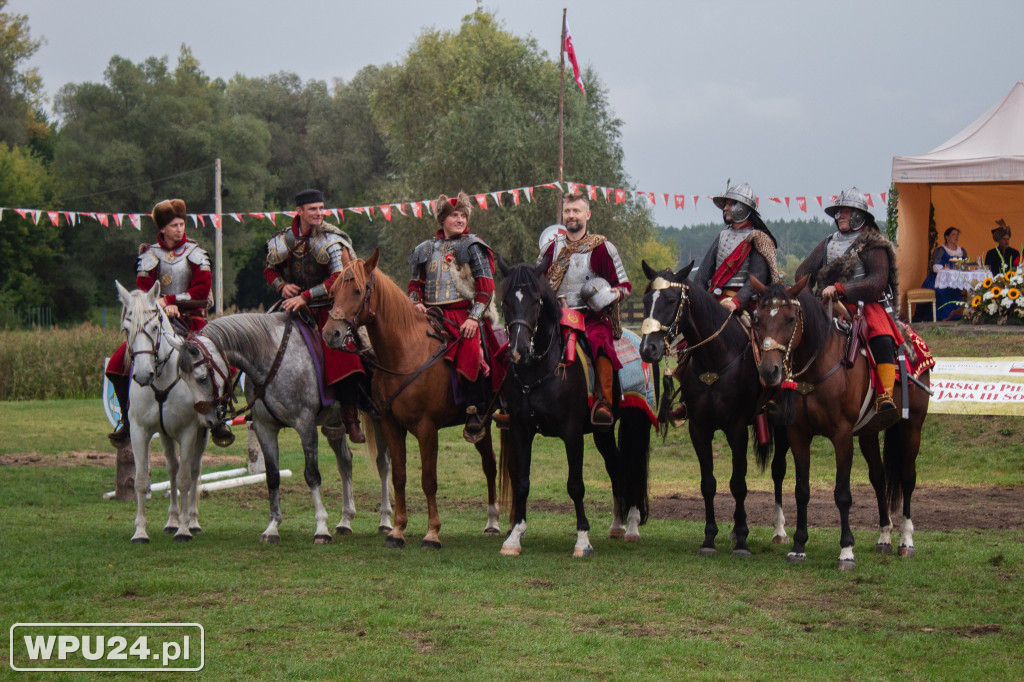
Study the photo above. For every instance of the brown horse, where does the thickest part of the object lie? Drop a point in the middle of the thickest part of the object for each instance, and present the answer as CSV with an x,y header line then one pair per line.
x,y
803,352
412,385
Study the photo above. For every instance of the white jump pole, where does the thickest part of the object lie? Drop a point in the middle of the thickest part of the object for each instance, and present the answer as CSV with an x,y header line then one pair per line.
x,y
240,481
213,479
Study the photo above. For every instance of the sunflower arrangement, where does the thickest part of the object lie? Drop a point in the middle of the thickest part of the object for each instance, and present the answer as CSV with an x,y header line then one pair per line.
x,y
998,299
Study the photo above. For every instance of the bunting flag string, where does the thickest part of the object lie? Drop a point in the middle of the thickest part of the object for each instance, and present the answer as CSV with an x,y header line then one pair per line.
x,y
485,200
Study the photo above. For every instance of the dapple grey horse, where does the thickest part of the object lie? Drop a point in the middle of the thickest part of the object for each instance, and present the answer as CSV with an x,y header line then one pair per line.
x,y
282,387
160,403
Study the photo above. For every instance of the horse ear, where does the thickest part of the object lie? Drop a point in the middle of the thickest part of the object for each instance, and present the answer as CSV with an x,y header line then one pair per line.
x,y
685,272
122,293
502,265
371,262
798,287
758,286
648,270
154,292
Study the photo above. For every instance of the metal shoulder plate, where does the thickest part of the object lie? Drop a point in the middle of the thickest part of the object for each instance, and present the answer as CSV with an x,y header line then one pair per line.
x,y
421,254
463,245
278,248
147,259
327,247
197,256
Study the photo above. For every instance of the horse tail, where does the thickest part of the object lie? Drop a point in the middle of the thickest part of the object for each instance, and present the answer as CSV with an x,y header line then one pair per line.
x,y
506,473
892,454
762,452
785,408
634,452
665,405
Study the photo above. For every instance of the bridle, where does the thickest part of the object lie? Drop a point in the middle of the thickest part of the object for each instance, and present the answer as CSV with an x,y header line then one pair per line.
x,y
651,324
531,331
222,398
366,311
154,350
770,344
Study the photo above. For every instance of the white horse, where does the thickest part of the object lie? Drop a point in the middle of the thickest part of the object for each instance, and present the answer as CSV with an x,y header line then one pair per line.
x,y
160,403
282,387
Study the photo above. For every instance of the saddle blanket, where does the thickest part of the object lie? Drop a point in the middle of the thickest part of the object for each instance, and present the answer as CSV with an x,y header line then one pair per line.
x,y
635,380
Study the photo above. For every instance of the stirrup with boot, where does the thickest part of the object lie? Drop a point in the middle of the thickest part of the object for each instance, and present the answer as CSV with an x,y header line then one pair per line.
x,y
886,413
474,431
601,415
678,416
120,435
350,415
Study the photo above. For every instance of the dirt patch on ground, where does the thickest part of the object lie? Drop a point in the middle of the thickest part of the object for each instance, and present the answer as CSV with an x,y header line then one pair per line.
x,y
96,458
933,508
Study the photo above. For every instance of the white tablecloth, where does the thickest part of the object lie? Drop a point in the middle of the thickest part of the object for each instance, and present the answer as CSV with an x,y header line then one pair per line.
x,y
960,279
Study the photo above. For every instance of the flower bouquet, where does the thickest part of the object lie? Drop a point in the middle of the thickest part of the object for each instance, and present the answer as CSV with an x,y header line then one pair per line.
x,y
998,300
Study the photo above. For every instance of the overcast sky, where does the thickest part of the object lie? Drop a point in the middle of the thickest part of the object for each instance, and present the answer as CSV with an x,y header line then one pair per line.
x,y
796,98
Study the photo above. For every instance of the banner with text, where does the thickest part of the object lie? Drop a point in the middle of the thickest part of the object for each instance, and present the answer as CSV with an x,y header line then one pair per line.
x,y
978,386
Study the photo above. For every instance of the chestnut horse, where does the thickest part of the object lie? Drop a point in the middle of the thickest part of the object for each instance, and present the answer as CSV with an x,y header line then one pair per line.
x,y
411,387
720,388
825,397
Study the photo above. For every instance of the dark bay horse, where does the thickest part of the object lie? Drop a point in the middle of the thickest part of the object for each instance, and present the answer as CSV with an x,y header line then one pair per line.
x,y
412,385
803,350
544,397
720,387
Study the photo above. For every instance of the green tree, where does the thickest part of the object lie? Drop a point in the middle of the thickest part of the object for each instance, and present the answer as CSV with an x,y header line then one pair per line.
x,y
20,88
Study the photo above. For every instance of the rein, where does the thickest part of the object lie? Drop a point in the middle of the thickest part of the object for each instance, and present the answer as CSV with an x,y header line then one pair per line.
x,y
788,375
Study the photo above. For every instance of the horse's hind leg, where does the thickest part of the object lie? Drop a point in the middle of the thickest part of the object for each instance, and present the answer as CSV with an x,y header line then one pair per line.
x,y
876,474
311,472
576,489
778,476
267,436
738,486
802,493
701,441
490,466
383,458
911,444
343,456
843,445
172,456
186,487
428,481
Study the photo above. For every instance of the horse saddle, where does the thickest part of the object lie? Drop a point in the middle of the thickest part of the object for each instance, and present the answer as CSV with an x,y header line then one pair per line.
x,y
636,385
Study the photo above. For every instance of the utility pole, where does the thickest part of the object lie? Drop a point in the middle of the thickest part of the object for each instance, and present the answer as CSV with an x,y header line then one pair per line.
x,y
218,243
561,116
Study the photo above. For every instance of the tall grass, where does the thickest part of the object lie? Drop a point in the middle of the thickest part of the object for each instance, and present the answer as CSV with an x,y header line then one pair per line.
x,y
44,364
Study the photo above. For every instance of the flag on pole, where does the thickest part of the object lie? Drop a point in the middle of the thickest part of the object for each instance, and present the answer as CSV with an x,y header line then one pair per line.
x,y
571,52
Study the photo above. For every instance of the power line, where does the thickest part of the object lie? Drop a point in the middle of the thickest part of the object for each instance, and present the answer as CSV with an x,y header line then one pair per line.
x,y
121,189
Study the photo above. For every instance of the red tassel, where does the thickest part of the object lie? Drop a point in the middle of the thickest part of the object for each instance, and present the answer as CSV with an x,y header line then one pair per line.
x,y
788,385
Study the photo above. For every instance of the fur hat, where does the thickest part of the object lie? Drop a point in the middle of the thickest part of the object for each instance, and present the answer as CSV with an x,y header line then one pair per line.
x,y
1002,231
309,196
167,210
445,206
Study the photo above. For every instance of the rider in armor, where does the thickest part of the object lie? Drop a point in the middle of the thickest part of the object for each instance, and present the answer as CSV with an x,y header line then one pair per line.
x,y
303,262
183,270
857,265
454,273
586,271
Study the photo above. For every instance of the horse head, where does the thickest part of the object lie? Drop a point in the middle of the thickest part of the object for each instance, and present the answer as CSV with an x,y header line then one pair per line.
x,y
663,300
528,304
207,375
353,300
146,327
779,329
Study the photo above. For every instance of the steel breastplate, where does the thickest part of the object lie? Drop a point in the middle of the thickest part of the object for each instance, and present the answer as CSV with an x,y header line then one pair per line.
x,y
839,244
576,276
173,270
728,241
439,286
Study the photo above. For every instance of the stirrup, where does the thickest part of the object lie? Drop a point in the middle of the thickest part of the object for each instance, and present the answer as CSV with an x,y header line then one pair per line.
x,y
502,419
601,415
334,432
120,435
886,414
677,417
474,431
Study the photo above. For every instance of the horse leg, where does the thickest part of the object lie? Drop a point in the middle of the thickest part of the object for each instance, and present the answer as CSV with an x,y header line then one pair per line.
x,y
634,454
343,456
186,489
876,474
521,442
609,449
308,436
843,445
618,527
576,489
267,437
198,440
171,456
140,451
738,441
907,448
490,466
700,437
802,492
428,481
383,459
778,476
394,436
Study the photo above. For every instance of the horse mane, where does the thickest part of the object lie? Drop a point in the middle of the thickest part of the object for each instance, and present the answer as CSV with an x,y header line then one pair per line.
x,y
816,322
525,276
706,307
393,308
247,333
137,308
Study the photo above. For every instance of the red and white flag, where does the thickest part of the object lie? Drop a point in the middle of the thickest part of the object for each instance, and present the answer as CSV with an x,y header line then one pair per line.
x,y
570,51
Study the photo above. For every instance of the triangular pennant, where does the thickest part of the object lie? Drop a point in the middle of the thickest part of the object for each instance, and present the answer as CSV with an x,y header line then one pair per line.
x,y
54,217
117,219
202,220
572,188
787,203
620,196
592,192
195,221
680,201
401,209
497,197
775,200
802,203
386,212
481,200
868,197
695,197
529,193
819,201
136,222
883,197
257,215
666,199
103,219
71,217
273,218
237,217
21,211
607,193
417,209
515,196
216,219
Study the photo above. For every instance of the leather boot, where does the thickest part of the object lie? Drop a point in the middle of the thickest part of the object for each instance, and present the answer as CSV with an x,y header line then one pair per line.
x,y
476,410
350,415
886,413
601,415
121,385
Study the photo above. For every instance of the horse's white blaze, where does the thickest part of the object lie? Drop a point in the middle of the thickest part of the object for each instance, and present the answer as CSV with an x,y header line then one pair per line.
x,y
633,527
846,554
907,534
492,518
513,543
885,536
582,547
780,523
519,295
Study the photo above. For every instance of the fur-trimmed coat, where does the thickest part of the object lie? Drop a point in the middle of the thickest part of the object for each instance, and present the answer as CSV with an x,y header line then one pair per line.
x,y
879,258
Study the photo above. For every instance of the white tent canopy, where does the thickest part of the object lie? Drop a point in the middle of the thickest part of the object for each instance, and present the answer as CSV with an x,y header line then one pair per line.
x,y
989,150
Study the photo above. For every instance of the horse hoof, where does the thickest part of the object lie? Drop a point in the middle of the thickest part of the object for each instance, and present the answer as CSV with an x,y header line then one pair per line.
x,y
430,544
492,532
905,551
182,538
615,533
140,541
845,564
883,548
511,551
170,530
741,552
384,530
270,539
707,551
580,553
322,539
635,537
796,557
780,540
394,543
343,530
195,531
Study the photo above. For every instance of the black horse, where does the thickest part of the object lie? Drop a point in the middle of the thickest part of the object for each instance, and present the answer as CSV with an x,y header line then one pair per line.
x,y
720,388
544,396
